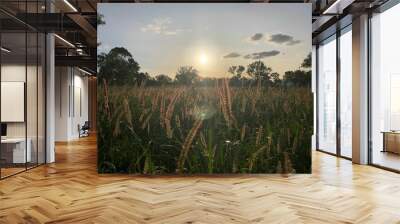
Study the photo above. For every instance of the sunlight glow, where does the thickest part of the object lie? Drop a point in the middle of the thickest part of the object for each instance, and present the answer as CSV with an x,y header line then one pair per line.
x,y
203,59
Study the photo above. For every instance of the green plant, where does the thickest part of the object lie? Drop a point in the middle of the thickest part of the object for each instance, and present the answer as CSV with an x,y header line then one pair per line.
x,y
204,129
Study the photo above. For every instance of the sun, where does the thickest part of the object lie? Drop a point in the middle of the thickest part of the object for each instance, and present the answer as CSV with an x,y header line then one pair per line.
x,y
203,58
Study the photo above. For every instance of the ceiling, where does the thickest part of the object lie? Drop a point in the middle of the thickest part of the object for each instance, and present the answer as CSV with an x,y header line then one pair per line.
x,y
75,21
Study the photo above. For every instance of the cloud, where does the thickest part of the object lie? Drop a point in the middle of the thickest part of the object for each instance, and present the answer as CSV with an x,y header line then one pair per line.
x,y
232,55
161,26
257,36
283,39
293,42
261,55
278,38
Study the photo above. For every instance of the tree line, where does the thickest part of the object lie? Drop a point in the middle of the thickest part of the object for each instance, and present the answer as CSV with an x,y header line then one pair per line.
x,y
119,68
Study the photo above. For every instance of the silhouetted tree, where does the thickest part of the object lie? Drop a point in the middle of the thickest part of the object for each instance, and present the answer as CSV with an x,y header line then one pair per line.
x,y
275,79
100,19
118,67
307,62
236,72
259,71
144,77
100,22
186,75
163,79
297,78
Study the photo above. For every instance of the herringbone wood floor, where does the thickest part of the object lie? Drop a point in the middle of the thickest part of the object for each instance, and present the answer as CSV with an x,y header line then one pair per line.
x,y
71,191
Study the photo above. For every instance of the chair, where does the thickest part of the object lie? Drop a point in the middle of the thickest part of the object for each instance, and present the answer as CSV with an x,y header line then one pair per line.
x,y
84,130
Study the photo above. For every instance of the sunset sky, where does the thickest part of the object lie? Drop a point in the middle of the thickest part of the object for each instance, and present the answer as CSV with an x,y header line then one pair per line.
x,y
210,37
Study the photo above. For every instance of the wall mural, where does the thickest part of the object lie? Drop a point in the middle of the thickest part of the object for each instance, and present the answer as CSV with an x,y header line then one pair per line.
x,y
204,88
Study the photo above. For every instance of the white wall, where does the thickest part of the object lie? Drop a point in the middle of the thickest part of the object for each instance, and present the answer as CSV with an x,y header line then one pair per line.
x,y
80,110
360,89
33,127
16,73
50,93
62,82
70,83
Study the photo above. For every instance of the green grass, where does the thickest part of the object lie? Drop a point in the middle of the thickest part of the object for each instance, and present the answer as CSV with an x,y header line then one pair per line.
x,y
218,129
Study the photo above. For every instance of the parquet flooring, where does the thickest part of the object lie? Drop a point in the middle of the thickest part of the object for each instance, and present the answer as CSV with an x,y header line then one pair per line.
x,y
10,171
71,191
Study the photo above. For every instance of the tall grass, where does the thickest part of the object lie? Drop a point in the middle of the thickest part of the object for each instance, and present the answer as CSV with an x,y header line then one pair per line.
x,y
215,129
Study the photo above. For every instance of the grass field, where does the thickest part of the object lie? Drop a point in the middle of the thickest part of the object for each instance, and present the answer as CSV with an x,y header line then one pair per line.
x,y
214,129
